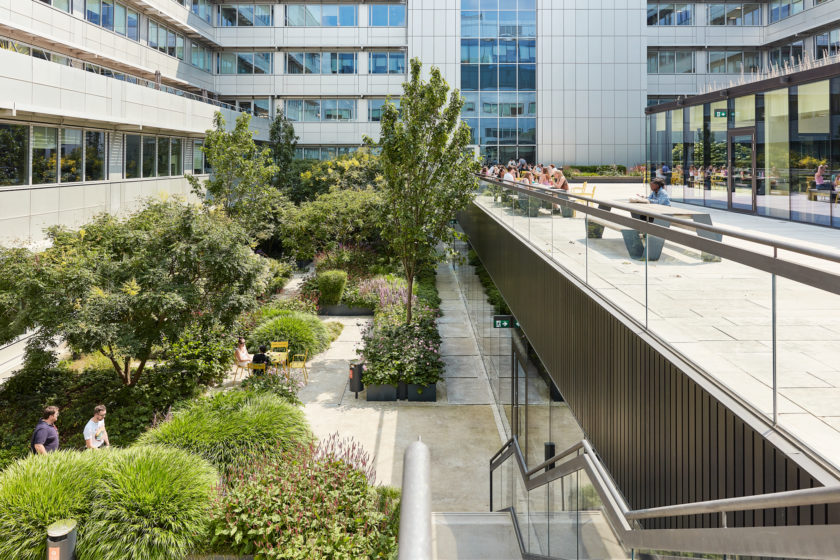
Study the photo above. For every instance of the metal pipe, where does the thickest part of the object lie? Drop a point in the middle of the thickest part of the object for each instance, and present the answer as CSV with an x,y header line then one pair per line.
x,y
792,498
554,459
416,507
775,353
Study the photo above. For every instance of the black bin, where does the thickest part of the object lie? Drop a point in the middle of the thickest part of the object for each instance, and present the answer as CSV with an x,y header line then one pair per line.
x,y
356,385
61,540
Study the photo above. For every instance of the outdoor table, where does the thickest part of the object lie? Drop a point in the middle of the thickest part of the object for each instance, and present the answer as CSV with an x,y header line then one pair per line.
x,y
278,358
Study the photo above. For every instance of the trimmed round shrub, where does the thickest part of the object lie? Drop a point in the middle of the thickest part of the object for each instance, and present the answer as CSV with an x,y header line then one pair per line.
x,y
38,491
228,426
331,285
304,332
151,502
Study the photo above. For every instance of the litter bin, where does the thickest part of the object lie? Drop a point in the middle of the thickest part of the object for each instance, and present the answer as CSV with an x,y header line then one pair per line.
x,y
356,384
61,540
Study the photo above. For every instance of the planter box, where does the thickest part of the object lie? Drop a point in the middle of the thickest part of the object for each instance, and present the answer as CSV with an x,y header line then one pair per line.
x,y
402,391
381,393
625,179
419,393
341,309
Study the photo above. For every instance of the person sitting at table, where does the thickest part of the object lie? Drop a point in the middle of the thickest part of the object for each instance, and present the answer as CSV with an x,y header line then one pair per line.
x,y
819,179
657,193
262,358
545,180
560,181
241,354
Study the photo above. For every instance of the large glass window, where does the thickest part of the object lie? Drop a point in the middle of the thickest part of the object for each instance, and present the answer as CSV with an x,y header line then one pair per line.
x,y
93,11
787,55
312,110
776,155
294,110
294,63
262,15
387,15
71,155
244,63
780,9
317,110
176,157
44,155
670,62
198,157
95,156
387,63
227,16
667,13
734,14
149,156
375,108
119,19
262,63
733,62
133,160
132,24
14,154
162,157
321,15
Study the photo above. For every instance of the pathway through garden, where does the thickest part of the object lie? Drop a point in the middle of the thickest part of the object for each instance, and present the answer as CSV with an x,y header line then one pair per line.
x,y
459,429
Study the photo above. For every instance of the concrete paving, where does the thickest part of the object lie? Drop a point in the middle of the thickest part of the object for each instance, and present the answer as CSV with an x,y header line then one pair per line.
x,y
719,314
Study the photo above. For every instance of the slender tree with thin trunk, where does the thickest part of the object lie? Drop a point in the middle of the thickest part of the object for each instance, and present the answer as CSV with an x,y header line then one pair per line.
x,y
428,169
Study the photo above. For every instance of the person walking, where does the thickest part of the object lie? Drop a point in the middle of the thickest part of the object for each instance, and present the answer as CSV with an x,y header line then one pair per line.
x,y
45,436
95,434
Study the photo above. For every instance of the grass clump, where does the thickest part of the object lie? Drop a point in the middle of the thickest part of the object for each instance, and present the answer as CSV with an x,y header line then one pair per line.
x,y
151,502
38,491
228,426
304,332
331,285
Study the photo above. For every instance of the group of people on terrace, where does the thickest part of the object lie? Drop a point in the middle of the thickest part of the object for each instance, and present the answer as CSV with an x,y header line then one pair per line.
x,y
547,176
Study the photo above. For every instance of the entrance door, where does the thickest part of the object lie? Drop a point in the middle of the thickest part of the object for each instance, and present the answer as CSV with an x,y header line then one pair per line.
x,y
742,180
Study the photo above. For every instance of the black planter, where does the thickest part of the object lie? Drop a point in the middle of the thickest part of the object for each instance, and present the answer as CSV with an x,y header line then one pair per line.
x,y
420,393
381,393
402,391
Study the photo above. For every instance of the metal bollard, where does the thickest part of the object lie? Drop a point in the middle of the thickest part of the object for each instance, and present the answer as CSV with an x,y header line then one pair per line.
x,y
416,508
61,540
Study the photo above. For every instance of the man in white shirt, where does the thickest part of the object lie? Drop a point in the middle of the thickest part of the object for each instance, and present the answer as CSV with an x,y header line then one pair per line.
x,y
509,174
95,434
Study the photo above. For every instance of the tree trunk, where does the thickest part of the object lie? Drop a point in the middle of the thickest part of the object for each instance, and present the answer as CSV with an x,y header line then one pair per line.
x,y
139,371
117,367
410,278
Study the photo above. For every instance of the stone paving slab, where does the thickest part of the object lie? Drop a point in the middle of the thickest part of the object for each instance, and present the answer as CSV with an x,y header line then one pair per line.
x,y
462,366
464,346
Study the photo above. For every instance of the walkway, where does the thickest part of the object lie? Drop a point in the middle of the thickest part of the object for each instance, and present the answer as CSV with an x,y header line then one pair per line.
x,y
460,429
718,314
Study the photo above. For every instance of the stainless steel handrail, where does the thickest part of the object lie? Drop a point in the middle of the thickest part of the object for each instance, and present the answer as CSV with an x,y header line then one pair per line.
x,y
415,541
640,209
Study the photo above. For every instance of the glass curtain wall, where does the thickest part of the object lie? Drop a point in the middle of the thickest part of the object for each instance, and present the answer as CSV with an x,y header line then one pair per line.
x,y
498,77
797,151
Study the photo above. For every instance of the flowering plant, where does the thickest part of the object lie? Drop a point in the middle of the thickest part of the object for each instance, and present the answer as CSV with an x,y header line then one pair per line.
x,y
395,352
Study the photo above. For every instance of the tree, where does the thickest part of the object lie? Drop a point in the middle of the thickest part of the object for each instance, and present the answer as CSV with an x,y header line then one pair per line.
x,y
241,182
282,141
428,171
357,171
124,287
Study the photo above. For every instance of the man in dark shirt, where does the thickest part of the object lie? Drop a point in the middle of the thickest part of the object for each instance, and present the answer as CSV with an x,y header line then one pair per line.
x,y
45,437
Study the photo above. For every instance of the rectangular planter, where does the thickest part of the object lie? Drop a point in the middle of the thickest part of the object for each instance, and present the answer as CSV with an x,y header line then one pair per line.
x,y
381,393
402,391
419,393
343,310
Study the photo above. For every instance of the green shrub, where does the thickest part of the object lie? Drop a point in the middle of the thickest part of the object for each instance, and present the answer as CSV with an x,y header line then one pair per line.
x,y
335,329
305,333
280,272
151,502
227,426
331,286
494,296
395,352
203,355
310,503
280,385
40,490
359,262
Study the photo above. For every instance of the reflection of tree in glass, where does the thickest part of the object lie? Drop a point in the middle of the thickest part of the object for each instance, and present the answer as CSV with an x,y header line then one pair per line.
x,y
94,163
43,167
71,166
14,142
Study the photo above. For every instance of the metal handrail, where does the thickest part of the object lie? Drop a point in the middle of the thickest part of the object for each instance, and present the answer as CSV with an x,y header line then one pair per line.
x,y
640,209
415,539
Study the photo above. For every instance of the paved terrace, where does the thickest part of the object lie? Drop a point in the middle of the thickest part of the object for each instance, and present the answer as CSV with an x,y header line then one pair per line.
x,y
717,314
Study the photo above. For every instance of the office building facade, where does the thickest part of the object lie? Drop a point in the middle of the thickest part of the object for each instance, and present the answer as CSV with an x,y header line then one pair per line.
x,y
105,102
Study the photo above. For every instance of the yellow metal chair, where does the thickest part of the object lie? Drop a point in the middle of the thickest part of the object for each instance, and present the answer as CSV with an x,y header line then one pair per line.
x,y
280,353
298,361
584,191
256,367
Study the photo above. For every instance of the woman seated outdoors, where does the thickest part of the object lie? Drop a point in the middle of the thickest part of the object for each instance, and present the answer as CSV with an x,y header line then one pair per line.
x,y
560,181
241,355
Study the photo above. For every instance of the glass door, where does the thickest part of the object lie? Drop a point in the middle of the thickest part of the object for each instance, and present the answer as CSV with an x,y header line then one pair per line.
x,y
742,179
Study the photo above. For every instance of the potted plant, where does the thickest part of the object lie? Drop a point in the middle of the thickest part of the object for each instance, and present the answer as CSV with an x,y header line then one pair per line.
x,y
422,364
382,357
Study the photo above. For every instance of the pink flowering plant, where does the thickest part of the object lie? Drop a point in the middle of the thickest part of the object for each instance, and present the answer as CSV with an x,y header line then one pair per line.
x,y
312,502
277,383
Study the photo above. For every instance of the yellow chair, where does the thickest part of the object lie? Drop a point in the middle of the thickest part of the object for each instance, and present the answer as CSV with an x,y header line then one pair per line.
x,y
584,191
256,367
280,353
298,361
281,346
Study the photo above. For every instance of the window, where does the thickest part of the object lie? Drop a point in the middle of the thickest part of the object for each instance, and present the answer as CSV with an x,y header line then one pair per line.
x,y
317,110
734,14
294,63
44,155
669,14
14,154
244,63
162,157
149,156
317,15
108,14
95,156
261,108
202,9
734,62
132,25
227,16
244,15
827,44
93,11
200,56
262,15
198,157
375,108
320,63
787,55
387,63
165,40
387,15
670,62
71,155
781,9
119,19
179,47
175,160
133,159
65,5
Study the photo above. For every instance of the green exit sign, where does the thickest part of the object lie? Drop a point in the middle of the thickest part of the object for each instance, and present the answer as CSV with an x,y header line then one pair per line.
x,y
504,322
721,113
